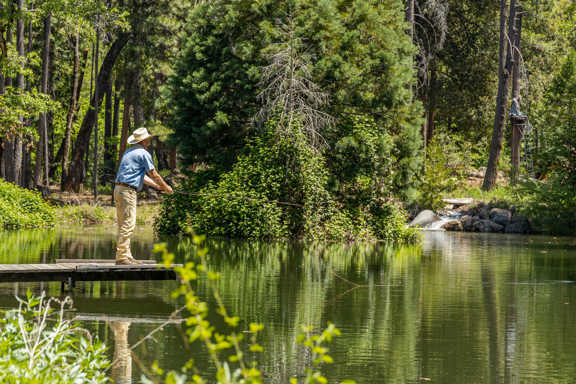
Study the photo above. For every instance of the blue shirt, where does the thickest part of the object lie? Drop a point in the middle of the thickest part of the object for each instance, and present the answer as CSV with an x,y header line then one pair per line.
x,y
136,161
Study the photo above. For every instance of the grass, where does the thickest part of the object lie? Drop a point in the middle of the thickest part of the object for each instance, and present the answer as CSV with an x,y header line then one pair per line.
x,y
86,214
503,194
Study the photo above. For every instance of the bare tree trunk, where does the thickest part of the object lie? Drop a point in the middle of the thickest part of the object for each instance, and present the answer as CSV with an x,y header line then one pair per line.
x,y
173,160
97,92
431,103
60,154
76,174
43,120
15,174
125,123
72,107
516,126
8,149
410,18
504,70
115,121
137,100
107,166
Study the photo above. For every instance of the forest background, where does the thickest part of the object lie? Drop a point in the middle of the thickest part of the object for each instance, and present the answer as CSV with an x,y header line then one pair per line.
x,y
302,118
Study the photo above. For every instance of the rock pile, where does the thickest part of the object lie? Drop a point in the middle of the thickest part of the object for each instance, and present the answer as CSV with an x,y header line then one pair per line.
x,y
465,216
487,219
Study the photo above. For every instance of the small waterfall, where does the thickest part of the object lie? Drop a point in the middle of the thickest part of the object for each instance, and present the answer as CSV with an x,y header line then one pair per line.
x,y
444,217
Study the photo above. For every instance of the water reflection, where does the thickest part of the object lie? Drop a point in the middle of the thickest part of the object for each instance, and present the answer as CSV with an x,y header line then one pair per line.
x,y
462,308
122,361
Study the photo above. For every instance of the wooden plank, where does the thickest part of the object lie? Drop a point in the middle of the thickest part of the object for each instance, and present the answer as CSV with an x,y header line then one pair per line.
x,y
96,261
34,268
84,272
114,267
129,319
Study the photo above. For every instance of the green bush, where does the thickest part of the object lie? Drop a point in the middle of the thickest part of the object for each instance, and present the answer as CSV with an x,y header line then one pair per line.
x,y
261,198
21,208
550,206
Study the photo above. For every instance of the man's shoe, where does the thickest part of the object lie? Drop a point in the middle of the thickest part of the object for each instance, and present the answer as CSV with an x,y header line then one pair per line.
x,y
127,260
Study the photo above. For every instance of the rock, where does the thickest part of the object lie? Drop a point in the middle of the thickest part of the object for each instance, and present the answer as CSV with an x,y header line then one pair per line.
x,y
518,225
487,226
484,212
500,216
453,226
468,223
424,218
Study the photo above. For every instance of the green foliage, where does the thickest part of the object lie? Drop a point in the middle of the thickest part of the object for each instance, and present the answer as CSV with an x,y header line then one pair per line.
x,y
37,345
237,344
550,206
447,164
21,208
84,214
352,66
278,189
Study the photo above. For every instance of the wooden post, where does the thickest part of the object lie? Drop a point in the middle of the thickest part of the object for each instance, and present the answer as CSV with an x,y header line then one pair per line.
x,y
515,151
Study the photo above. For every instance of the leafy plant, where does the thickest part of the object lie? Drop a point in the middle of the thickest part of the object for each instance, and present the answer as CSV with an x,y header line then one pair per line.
x,y
21,208
37,345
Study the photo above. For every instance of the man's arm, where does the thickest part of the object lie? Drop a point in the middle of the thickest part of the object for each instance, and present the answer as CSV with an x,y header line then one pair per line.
x,y
151,183
159,182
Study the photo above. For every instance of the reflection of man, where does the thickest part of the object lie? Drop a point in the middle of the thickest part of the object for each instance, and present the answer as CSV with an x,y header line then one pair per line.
x,y
122,368
136,169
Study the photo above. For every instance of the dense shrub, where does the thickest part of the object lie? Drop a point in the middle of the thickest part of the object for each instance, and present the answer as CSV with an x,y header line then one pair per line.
x,y
276,190
21,208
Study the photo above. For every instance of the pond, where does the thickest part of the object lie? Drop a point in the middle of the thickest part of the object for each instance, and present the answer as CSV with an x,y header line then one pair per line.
x,y
460,308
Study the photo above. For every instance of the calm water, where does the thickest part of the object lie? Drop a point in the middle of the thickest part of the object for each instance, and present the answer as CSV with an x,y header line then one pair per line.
x,y
462,308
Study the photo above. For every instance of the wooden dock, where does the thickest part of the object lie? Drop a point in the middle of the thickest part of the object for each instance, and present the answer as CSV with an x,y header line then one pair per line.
x,y
70,271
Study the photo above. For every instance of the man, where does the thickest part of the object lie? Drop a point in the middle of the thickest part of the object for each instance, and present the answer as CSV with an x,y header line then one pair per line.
x,y
136,169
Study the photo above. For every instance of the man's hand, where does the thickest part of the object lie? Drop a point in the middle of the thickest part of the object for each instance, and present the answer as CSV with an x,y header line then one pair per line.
x,y
158,182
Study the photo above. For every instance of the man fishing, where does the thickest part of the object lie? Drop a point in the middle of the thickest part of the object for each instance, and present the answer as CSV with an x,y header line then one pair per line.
x,y
136,169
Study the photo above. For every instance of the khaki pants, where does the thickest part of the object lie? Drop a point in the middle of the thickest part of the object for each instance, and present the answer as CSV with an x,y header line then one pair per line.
x,y
125,200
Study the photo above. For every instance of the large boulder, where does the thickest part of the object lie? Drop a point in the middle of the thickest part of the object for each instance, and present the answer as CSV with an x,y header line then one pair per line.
x,y
500,216
518,225
454,226
484,212
468,223
424,218
487,226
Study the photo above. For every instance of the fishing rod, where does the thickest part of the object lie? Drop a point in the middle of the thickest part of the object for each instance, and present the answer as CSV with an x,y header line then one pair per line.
x,y
240,198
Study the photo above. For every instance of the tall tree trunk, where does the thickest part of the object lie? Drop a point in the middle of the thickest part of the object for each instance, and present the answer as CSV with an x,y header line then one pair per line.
x,y
137,99
71,108
410,18
115,122
43,120
97,91
431,103
8,149
125,122
15,174
108,161
516,126
504,70
60,154
76,174
27,174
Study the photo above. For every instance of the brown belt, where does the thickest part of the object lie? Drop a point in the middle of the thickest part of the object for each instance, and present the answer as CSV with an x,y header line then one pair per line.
x,y
128,185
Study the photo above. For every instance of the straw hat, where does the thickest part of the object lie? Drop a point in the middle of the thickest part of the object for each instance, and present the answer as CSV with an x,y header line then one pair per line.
x,y
139,135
